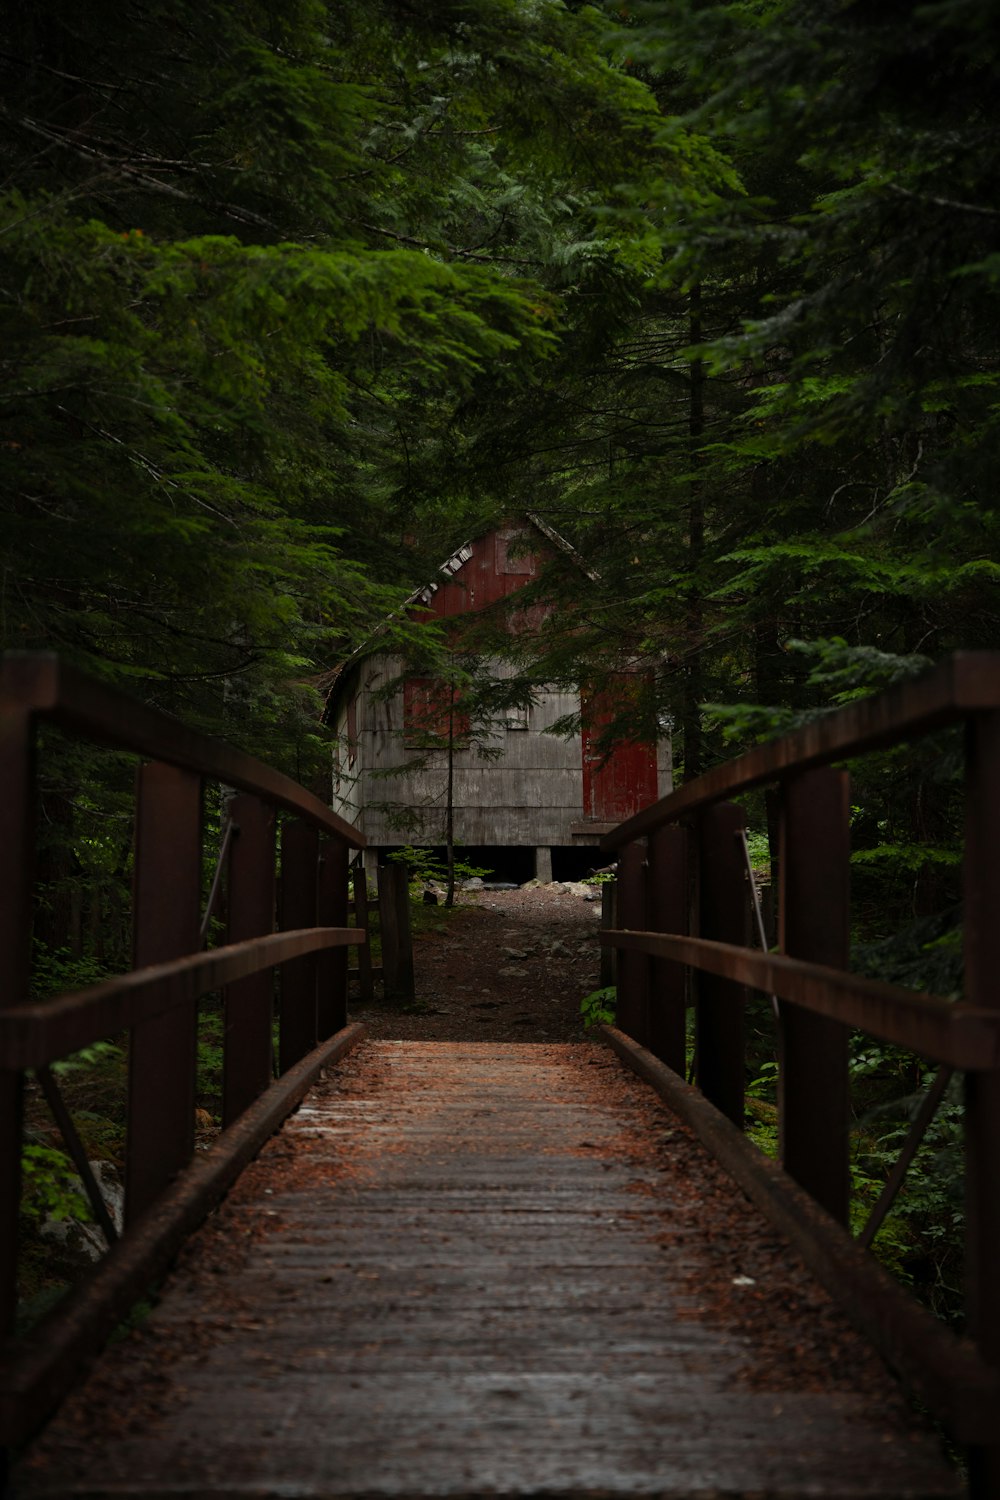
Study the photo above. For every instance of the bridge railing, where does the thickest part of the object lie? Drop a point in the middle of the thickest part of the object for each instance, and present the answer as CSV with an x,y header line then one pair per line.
x,y
167,1190
682,933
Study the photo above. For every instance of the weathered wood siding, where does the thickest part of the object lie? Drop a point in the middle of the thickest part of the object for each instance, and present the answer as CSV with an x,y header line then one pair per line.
x,y
536,792
531,795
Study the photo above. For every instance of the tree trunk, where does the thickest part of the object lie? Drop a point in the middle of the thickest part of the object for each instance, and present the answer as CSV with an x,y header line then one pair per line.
x,y
449,813
691,727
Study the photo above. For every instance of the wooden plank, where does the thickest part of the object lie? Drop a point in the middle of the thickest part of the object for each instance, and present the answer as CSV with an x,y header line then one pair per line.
x,y
468,1269
942,1370
35,1378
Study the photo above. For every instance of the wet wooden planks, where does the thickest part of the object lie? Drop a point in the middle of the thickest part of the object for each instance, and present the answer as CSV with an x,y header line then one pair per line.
x,y
473,1269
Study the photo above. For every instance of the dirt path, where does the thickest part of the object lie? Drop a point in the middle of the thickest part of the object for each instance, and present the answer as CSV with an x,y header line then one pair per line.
x,y
509,966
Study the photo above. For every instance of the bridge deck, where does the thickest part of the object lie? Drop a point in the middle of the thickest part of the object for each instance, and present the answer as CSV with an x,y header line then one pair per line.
x,y
471,1269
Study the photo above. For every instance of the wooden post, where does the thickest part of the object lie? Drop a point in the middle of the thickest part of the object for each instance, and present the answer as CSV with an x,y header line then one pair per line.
x,y
249,1004
17,847
723,912
162,1056
981,878
814,923
633,968
609,921
299,876
668,904
331,1008
366,979
397,944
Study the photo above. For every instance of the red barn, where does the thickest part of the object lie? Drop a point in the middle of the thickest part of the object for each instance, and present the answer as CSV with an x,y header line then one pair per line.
x,y
523,800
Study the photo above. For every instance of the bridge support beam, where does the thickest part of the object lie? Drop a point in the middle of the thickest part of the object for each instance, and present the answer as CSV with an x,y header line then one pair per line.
x,y
723,916
982,1090
814,918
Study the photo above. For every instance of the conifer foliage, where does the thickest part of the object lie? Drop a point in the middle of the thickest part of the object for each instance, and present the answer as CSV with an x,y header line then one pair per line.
x,y
252,258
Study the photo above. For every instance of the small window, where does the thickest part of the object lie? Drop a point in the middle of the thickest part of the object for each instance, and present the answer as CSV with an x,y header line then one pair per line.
x,y
516,718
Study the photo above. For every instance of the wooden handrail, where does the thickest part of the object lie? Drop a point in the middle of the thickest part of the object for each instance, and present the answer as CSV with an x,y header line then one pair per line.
x,y
947,1031
968,682
157,1002
52,690
33,1035
682,921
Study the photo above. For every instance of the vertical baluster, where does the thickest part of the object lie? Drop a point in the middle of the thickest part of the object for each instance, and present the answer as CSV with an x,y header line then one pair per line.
x,y
17,848
398,978
249,1004
331,1010
723,914
299,882
981,878
167,920
609,920
814,924
668,911
362,920
633,968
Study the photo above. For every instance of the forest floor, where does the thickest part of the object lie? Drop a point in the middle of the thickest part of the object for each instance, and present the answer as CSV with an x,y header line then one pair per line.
x,y
509,966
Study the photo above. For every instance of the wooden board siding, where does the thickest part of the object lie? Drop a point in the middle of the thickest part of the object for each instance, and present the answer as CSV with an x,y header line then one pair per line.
x,y
615,788
497,568
540,791
530,796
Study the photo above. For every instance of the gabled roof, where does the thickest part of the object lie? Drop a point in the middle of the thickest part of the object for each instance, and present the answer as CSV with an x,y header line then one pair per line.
x,y
423,595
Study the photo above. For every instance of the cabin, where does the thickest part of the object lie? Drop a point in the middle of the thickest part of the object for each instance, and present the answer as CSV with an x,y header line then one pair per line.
x,y
524,801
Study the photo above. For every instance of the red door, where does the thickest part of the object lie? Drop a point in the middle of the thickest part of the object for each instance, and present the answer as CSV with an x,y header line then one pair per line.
x,y
619,783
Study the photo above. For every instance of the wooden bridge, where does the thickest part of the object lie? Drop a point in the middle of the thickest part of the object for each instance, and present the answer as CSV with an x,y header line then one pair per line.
x,y
516,1270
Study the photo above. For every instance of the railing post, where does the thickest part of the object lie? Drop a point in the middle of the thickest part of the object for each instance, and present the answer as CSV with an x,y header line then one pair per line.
x,y
394,926
722,916
249,1004
633,968
609,920
299,890
362,920
981,878
814,924
17,848
668,906
331,1005
162,1055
